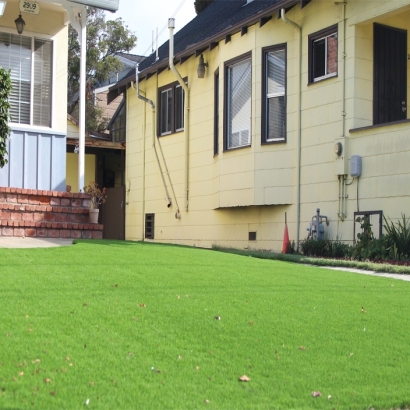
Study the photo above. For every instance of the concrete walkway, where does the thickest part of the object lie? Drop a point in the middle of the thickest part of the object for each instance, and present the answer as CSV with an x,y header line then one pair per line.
x,y
15,242
373,273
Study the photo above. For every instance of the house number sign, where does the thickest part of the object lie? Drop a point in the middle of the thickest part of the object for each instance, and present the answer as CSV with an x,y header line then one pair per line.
x,y
31,7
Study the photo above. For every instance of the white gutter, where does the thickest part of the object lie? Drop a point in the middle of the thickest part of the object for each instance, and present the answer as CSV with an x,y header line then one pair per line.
x,y
150,102
171,26
299,139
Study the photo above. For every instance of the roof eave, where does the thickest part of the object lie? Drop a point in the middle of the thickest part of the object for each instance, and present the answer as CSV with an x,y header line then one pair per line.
x,y
188,52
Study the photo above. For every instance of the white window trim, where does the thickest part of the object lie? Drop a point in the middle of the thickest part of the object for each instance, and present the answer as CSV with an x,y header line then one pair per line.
x,y
40,36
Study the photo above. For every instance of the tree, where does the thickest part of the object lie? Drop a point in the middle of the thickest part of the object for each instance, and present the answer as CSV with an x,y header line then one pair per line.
x,y
5,90
104,40
201,5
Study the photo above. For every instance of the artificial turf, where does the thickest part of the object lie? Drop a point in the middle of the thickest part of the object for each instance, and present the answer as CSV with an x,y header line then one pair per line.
x,y
119,325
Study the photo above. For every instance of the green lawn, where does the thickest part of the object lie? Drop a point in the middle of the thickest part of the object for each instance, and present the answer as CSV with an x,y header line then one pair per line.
x,y
132,326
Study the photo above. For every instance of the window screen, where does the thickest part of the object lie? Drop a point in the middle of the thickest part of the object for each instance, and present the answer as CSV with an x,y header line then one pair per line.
x,y
239,90
29,88
275,95
42,83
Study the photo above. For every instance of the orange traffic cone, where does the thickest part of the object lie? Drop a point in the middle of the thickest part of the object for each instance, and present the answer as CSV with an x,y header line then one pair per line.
x,y
285,237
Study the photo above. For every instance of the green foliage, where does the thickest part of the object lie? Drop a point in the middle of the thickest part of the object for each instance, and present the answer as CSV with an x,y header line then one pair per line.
x,y
104,40
291,248
367,246
127,325
201,5
398,238
5,90
325,248
313,247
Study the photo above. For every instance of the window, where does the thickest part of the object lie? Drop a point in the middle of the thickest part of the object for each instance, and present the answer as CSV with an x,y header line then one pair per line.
x,y
30,62
274,94
171,109
149,226
216,112
238,97
323,54
117,126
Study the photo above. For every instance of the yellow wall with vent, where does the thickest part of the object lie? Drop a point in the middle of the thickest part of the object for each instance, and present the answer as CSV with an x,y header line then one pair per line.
x,y
250,189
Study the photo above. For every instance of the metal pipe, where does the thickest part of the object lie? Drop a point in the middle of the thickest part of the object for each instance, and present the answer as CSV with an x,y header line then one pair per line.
x,y
299,139
148,101
81,123
171,26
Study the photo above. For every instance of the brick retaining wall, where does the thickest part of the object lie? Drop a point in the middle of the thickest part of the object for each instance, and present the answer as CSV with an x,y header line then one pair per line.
x,y
46,214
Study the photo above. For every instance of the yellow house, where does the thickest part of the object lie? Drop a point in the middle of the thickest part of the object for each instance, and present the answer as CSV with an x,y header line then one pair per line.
x,y
267,108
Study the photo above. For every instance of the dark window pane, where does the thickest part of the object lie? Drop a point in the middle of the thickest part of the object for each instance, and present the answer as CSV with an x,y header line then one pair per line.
x,y
166,110
179,108
276,118
319,58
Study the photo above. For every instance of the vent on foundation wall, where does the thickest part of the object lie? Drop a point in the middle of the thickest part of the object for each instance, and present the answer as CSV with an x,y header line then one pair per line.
x,y
149,226
252,236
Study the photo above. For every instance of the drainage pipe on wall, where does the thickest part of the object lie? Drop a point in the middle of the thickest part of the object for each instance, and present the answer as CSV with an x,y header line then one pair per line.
x,y
150,102
299,137
171,26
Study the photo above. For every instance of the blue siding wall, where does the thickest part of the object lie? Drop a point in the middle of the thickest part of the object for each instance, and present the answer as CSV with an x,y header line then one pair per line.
x,y
37,160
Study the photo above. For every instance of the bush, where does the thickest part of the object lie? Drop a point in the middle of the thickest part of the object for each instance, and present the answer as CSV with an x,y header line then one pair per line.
x,y
398,238
325,248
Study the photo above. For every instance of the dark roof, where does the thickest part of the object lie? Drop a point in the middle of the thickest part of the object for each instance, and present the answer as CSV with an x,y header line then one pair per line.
x,y
217,22
133,57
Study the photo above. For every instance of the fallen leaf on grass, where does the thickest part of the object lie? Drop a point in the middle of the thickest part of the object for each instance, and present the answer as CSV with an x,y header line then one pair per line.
x,y
351,354
197,368
302,348
53,393
316,393
244,378
207,401
251,323
363,310
179,297
47,380
21,374
85,304
217,317
179,357
142,305
70,364
134,318
36,361
329,397
29,330
115,286
91,383
67,359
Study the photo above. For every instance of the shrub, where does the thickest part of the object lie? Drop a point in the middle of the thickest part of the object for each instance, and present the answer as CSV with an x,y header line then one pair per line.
x,y
398,238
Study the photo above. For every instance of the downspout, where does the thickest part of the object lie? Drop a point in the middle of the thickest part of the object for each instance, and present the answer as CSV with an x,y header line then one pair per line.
x,y
299,138
171,26
150,102
344,208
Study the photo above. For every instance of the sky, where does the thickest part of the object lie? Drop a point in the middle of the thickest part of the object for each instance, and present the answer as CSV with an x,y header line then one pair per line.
x,y
142,17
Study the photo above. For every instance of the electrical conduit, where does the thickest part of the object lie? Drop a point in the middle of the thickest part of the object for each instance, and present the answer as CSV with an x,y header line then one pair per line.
x,y
171,26
299,109
150,102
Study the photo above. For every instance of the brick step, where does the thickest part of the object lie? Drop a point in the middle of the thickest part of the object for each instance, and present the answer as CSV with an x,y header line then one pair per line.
x,y
46,214
52,233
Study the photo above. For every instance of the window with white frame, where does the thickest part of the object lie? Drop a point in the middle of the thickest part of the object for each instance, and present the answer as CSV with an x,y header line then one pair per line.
x,y
30,63
274,94
323,54
171,109
238,107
